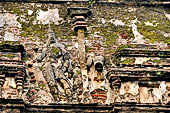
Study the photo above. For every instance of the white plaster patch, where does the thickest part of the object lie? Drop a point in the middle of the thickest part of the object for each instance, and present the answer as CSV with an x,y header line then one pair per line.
x,y
76,45
167,15
30,12
10,20
162,87
132,9
156,93
161,45
102,20
2,22
52,15
141,60
166,34
19,26
97,33
135,21
148,23
112,1
151,24
117,22
9,82
86,42
121,41
9,36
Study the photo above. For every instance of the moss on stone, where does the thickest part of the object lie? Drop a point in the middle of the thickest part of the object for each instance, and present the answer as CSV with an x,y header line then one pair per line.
x,y
153,34
88,49
108,33
23,34
120,48
55,50
42,85
156,61
78,72
41,67
28,26
128,61
9,55
55,96
10,42
116,60
108,51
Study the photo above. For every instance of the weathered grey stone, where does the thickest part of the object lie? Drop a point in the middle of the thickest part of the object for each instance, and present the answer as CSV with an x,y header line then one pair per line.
x,y
90,59
48,74
99,63
41,56
58,45
99,59
2,22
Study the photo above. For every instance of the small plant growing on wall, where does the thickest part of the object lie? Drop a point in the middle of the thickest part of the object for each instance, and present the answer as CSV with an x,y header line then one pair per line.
x,y
92,1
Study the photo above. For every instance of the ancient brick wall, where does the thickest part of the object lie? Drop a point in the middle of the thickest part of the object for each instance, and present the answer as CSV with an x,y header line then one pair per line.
x,y
85,53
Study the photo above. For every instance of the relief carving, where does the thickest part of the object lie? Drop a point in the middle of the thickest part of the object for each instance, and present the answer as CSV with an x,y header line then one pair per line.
x,y
128,92
99,85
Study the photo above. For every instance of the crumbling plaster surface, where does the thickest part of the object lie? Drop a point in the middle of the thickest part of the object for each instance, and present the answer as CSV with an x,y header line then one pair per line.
x,y
55,64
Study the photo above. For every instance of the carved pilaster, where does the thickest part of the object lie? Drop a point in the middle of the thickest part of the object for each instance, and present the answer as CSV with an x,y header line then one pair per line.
x,y
79,15
19,83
